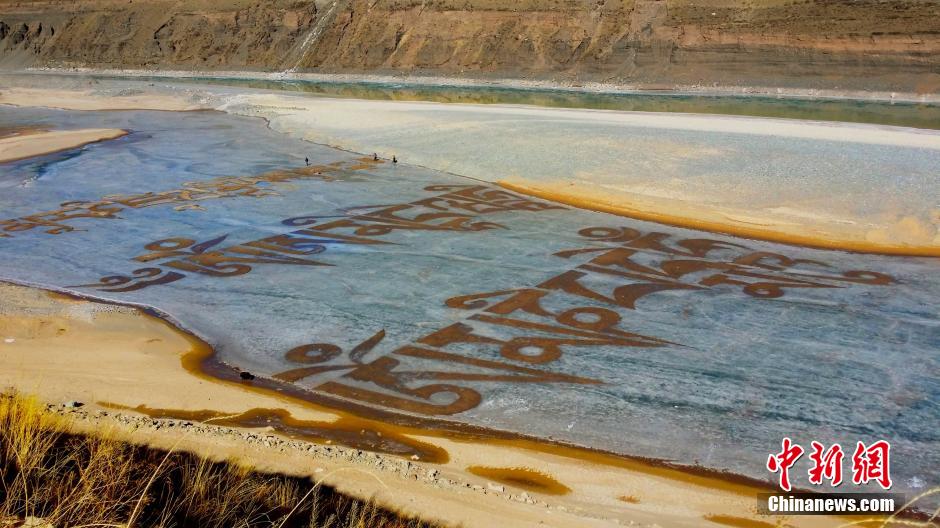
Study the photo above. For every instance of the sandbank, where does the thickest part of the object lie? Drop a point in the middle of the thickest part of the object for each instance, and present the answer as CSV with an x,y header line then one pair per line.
x,y
92,100
812,232
37,143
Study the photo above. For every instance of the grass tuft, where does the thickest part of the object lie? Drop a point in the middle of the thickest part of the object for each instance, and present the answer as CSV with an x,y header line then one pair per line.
x,y
82,481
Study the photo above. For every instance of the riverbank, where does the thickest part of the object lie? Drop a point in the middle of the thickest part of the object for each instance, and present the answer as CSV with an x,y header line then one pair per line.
x,y
57,473
127,368
87,99
891,45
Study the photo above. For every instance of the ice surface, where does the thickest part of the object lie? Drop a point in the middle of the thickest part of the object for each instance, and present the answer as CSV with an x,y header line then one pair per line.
x,y
866,183
719,369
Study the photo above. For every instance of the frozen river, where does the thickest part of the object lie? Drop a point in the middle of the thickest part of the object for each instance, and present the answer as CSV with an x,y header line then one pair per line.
x,y
431,296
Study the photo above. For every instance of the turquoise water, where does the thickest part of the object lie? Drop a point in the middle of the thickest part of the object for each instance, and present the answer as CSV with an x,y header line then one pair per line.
x,y
435,296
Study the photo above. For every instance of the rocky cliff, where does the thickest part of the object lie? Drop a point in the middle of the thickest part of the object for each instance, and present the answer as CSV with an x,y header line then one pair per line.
x,y
849,44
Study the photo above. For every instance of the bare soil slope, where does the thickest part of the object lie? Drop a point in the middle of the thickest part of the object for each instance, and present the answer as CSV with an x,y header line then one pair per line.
x,y
840,44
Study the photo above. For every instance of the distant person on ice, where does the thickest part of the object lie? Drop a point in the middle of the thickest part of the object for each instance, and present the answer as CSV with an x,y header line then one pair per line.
x,y
307,161
375,157
394,159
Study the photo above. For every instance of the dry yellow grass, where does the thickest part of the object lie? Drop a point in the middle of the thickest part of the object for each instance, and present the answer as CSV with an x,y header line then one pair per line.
x,y
75,480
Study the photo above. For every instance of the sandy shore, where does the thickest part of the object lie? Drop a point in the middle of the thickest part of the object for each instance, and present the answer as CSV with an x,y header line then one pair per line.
x,y
90,100
29,144
113,357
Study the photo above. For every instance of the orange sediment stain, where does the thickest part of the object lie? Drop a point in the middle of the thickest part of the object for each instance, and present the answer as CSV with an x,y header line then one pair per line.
x,y
346,431
525,478
696,476
20,131
741,522
753,231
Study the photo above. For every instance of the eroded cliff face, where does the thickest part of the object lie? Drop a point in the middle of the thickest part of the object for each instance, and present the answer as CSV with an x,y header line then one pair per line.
x,y
152,33
849,44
